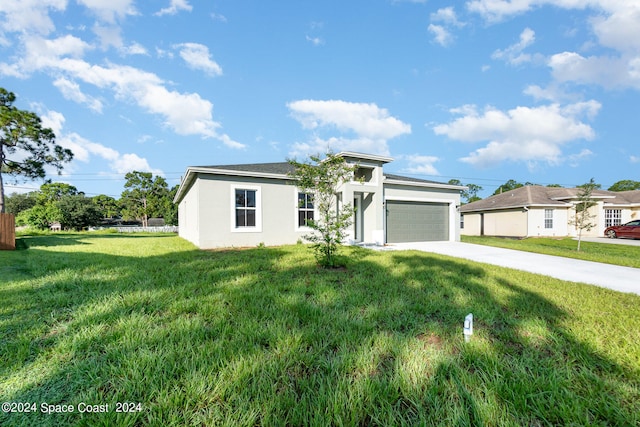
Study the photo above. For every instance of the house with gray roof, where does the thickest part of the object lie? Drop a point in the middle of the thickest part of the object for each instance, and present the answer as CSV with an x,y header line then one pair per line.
x,y
249,204
536,211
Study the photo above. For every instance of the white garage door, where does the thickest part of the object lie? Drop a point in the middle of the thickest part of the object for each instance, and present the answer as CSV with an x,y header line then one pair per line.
x,y
416,221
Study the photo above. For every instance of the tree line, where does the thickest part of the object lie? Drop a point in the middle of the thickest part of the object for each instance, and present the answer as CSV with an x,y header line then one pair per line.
x,y
144,197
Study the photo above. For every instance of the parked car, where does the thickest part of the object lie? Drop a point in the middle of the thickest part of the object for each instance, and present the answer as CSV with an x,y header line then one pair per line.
x,y
630,229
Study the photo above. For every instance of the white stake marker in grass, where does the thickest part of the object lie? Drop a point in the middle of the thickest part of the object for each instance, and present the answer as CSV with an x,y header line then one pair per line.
x,y
468,327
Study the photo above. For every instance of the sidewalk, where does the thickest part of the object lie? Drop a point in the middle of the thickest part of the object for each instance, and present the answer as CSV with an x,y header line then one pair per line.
x,y
622,279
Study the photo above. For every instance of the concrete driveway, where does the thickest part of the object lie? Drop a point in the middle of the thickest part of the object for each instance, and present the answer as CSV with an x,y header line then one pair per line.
x,y
622,279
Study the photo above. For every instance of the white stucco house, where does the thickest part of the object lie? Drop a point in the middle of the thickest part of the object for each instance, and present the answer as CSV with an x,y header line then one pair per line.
x,y
249,204
536,211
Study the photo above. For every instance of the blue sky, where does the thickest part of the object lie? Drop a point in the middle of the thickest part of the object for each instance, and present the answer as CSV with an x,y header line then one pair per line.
x,y
482,91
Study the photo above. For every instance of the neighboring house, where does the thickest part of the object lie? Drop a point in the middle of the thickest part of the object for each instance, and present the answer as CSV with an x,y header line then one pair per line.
x,y
245,205
533,211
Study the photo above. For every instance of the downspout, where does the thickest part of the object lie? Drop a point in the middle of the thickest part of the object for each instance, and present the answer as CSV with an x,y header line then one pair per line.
x,y
526,209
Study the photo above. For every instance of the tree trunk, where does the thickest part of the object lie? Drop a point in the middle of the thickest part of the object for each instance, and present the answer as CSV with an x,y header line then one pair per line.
x,y
1,183
1,193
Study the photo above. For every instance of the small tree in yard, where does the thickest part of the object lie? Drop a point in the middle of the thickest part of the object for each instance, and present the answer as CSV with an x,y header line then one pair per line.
x,y
25,146
323,178
583,218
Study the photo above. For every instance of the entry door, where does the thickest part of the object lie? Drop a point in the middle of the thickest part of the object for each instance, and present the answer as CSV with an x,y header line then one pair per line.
x,y
357,218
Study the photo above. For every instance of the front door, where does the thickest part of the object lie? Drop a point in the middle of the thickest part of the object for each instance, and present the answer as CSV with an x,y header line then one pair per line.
x,y
357,218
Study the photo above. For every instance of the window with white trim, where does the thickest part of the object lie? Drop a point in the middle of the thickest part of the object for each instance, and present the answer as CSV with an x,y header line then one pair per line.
x,y
246,208
305,208
548,218
612,217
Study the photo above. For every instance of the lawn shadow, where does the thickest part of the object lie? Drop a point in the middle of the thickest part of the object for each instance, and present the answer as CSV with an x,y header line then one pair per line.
x,y
263,336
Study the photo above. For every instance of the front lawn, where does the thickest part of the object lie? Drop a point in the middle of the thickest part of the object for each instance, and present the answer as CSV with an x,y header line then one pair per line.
x,y
263,337
625,255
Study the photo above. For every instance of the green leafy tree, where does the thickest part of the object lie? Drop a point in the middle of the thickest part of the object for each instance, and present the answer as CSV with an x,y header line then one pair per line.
x,y
78,212
170,209
144,196
470,194
18,202
583,219
25,146
508,186
625,185
323,178
40,216
109,207
51,192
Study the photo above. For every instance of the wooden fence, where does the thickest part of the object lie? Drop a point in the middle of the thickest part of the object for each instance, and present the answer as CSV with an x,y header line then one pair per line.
x,y
7,232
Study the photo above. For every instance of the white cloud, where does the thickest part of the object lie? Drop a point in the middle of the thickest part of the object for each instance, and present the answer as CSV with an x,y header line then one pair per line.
x,y
184,113
31,14
372,126
634,159
575,159
175,7
197,57
615,24
497,10
446,15
218,17
110,10
441,35
83,149
367,120
522,134
316,41
514,55
609,72
71,90
441,32
421,165
619,28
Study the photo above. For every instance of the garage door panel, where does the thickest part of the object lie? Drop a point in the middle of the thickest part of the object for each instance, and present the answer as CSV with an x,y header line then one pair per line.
x,y
417,222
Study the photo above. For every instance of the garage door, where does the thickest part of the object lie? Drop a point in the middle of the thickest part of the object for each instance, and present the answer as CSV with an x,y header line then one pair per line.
x,y
417,222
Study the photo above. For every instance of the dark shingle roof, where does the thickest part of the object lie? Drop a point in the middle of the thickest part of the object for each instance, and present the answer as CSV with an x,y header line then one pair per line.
x,y
280,168
283,168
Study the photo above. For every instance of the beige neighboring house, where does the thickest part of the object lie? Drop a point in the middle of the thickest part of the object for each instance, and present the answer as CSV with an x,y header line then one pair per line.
x,y
250,204
536,211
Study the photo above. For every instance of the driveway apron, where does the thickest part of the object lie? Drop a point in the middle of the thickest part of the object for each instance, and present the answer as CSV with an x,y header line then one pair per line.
x,y
622,279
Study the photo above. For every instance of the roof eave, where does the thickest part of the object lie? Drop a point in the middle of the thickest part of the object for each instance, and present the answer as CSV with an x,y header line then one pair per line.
x,y
193,171
425,184
363,156
522,206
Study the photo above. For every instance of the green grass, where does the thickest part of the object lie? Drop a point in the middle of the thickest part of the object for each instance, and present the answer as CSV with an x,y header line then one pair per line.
x,y
625,255
263,337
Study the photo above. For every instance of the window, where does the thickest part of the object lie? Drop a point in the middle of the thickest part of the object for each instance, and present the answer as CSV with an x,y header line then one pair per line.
x,y
305,208
461,221
245,208
363,174
612,217
548,218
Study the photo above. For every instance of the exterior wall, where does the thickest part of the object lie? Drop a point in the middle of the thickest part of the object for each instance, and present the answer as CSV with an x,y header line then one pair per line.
x,y
425,194
531,222
506,223
537,226
372,212
188,215
598,218
471,224
207,209
276,213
